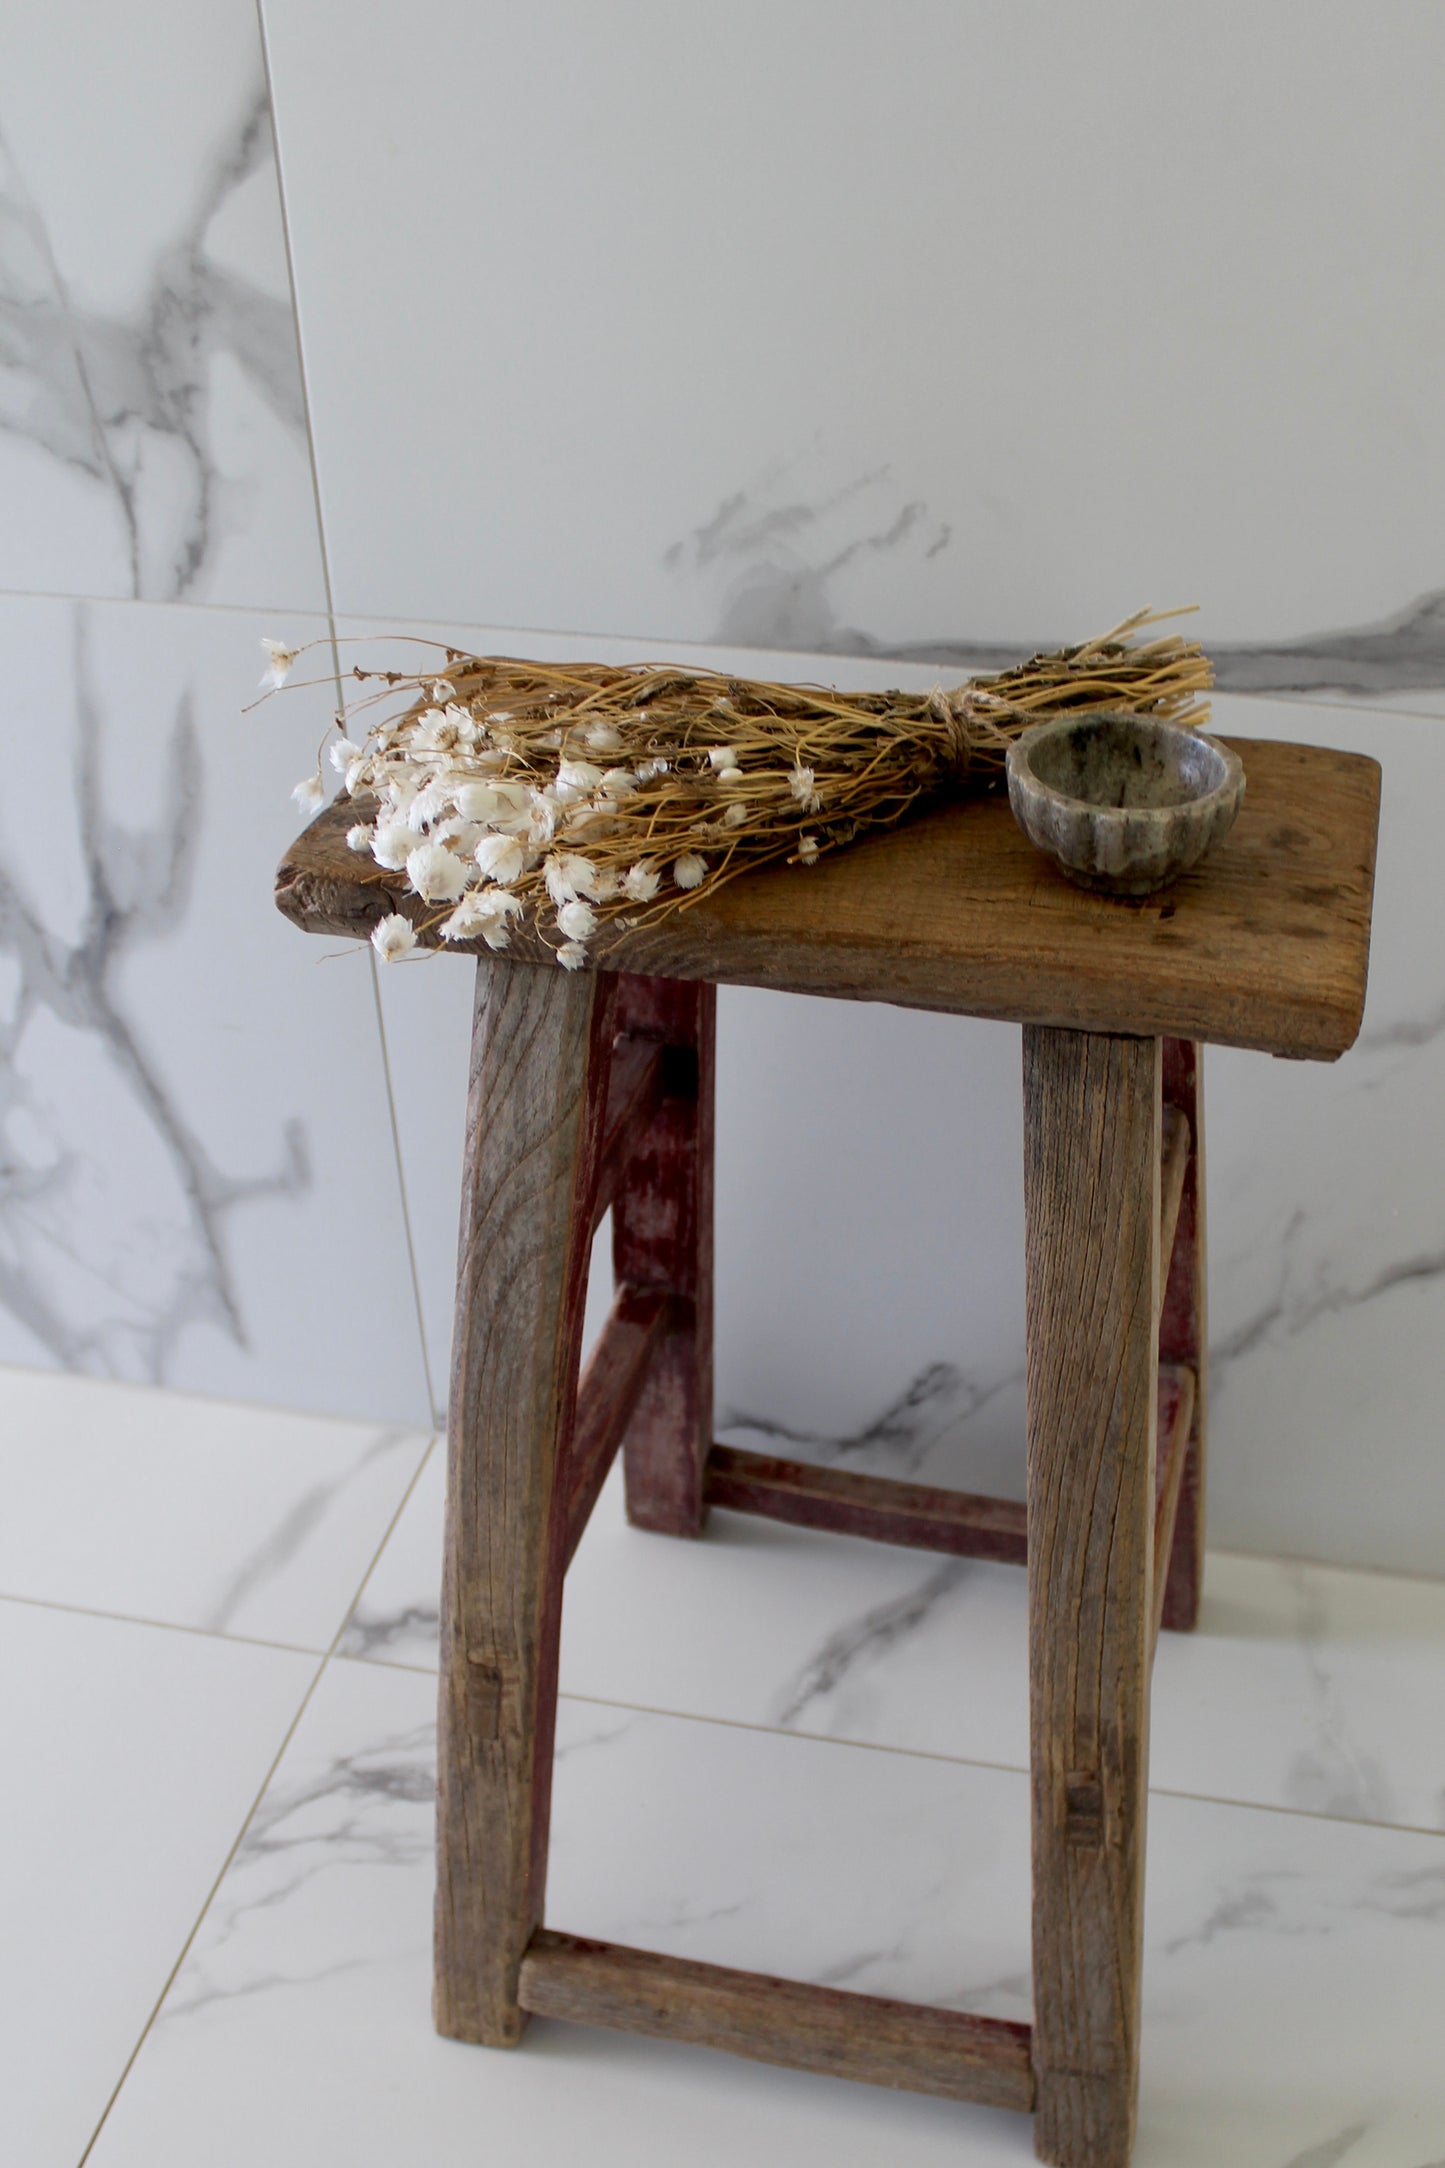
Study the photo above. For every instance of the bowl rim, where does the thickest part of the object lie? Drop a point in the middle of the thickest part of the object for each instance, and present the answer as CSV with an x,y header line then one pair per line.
x,y
1020,767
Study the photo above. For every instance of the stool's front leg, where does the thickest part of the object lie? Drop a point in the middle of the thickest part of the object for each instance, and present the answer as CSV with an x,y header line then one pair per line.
x,y
541,1044
1091,1189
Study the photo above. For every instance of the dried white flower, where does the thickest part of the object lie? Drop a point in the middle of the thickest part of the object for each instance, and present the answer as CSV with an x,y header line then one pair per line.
x,y
651,768
607,885
603,738
723,756
279,667
501,859
355,774
343,753
541,819
641,881
735,815
802,784
689,870
571,956
443,691
437,874
576,779
359,837
485,912
730,775
568,875
309,793
619,783
808,849
433,732
430,802
392,937
577,921
392,843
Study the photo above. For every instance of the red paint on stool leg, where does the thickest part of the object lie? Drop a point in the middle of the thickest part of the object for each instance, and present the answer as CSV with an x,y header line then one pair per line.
x,y
1182,1334
662,1238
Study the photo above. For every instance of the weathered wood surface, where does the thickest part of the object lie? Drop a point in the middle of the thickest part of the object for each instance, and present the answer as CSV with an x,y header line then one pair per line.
x,y
1184,1336
633,1089
867,2037
540,1057
1263,945
609,1391
1175,1429
1174,1169
1092,1119
915,1515
662,1241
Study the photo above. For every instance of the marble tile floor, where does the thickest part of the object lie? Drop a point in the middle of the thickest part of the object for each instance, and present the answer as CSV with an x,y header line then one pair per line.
x,y
776,1749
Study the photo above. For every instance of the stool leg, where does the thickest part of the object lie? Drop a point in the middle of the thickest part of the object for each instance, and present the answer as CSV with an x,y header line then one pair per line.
x,y
1091,1191
662,1238
541,1044
1183,1334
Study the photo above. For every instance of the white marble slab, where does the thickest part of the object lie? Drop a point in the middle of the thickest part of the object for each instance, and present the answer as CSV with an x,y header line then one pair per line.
x,y
1304,1687
1293,1967
868,381
132,1758
152,418
199,1182
161,1506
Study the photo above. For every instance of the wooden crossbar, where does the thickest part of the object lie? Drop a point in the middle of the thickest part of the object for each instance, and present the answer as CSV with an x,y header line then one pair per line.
x,y
634,1085
609,1390
825,2029
922,1518
912,1514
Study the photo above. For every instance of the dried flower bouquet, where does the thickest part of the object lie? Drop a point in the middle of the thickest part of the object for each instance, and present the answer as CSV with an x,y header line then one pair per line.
x,y
585,796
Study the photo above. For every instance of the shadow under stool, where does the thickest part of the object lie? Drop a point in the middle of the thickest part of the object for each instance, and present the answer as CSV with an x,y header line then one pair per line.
x,y
592,1091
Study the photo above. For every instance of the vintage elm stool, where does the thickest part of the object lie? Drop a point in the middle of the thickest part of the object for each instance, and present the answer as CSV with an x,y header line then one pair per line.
x,y
595,1089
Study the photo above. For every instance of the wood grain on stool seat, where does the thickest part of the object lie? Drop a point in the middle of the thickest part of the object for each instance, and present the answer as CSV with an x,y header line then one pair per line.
x,y
1264,945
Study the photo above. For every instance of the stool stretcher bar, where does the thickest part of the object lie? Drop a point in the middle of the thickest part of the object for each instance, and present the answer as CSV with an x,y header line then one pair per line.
x,y
868,2037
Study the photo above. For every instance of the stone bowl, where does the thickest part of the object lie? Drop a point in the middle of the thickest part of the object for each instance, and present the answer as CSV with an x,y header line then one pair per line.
x,y
1122,803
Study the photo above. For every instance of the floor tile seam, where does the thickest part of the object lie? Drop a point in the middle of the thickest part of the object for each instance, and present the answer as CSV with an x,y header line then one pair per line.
x,y
209,1899
917,1753
324,1661
164,1625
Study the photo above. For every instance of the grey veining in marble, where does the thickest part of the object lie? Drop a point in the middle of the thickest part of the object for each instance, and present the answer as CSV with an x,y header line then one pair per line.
x,y
124,398
780,554
925,1425
86,1309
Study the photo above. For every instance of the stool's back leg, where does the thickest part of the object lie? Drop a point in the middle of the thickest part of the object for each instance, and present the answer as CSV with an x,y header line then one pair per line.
x,y
1183,1328
541,1043
1091,1192
662,1239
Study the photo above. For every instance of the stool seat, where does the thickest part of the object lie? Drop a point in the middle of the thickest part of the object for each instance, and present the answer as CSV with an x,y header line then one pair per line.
x,y
1265,945
592,1093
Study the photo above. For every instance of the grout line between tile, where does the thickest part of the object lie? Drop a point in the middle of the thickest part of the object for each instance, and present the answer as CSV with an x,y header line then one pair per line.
x,y
438,1414
918,1753
325,549
250,1814
162,1625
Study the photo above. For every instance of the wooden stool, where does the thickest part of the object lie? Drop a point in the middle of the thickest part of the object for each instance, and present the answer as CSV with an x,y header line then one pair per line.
x,y
595,1090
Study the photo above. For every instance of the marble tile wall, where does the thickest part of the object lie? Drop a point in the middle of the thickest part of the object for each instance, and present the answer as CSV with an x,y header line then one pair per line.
x,y
756,333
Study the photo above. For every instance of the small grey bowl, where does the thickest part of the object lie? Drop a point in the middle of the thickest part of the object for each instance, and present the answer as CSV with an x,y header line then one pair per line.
x,y
1123,803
